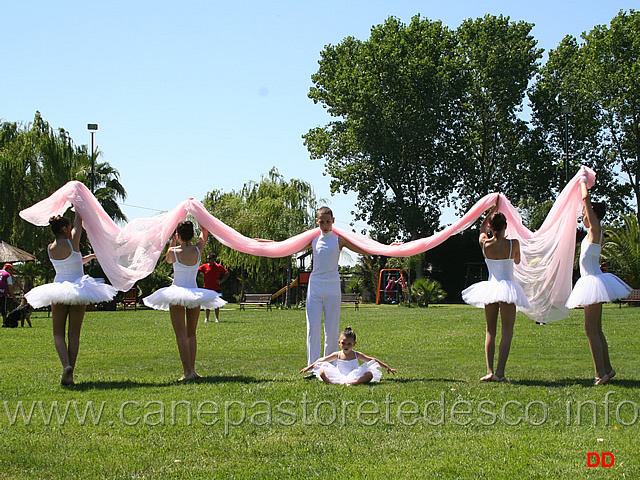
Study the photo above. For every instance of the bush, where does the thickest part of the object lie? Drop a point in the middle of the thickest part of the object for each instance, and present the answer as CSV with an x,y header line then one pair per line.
x,y
426,291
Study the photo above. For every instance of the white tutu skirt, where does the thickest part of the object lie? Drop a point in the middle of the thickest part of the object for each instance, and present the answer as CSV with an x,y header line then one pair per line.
x,y
590,289
84,291
163,298
336,376
494,291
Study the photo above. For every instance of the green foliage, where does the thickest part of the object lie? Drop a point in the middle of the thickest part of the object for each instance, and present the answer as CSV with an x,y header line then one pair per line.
x,y
412,266
108,189
355,285
621,250
426,290
369,267
424,116
393,141
273,209
500,59
35,161
534,212
597,79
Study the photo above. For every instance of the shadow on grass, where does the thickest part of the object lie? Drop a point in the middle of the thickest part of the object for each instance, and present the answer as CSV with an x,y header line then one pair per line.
x,y
390,379
222,379
566,382
126,384
560,383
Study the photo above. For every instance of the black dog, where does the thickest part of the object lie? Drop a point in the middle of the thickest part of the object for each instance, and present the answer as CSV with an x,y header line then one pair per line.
x,y
20,314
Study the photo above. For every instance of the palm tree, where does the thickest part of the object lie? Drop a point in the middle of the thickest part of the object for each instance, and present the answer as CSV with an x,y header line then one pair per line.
x,y
108,189
621,249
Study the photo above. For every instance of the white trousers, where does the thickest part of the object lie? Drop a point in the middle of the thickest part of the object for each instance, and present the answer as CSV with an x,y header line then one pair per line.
x,y
322,297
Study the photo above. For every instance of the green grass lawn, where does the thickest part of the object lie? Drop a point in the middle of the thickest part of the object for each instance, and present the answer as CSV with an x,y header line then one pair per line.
x,y
252,414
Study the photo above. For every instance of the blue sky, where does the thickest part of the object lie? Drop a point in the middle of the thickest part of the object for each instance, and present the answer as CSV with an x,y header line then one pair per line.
x,y
194,96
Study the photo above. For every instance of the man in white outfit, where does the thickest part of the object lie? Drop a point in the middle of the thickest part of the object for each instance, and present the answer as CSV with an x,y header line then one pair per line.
x,y
323,293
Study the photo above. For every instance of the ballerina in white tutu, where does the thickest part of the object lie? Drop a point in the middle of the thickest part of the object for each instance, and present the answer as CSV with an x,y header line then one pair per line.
x,y
594,287
500,294
348,370
70,292
183,299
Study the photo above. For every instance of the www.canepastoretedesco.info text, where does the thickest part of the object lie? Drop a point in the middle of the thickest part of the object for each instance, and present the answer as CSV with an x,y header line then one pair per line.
x,y
234,413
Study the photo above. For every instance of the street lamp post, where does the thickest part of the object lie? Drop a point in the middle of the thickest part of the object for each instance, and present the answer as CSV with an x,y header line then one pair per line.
x,y
92,128
566,110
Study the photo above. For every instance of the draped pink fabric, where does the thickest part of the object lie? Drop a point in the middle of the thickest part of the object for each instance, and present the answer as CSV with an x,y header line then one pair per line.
x,y
130,253
546,267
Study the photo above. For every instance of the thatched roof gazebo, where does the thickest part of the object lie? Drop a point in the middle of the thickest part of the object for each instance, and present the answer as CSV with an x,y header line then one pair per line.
x,y
11,254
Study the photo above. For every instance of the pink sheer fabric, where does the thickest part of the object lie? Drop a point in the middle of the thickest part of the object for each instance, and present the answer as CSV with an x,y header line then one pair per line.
x,y
546,267
130,253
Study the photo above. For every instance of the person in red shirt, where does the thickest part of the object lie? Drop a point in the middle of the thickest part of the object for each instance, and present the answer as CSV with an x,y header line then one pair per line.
x,y
214,275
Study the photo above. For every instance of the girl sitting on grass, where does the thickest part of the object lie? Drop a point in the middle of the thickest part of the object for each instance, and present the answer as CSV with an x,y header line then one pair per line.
x,y
347,370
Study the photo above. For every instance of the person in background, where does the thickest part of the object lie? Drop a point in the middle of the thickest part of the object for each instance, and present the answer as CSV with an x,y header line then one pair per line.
x,y
6,290
390,291
214,276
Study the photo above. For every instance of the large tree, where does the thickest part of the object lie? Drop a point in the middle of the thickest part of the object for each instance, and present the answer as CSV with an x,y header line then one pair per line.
x,y
500,58
396,100
272,208
611,75
425,116
598,80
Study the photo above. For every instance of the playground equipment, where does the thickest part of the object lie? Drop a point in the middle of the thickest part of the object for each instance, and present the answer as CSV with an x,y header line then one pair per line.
x,y
302,280
396,295
284,289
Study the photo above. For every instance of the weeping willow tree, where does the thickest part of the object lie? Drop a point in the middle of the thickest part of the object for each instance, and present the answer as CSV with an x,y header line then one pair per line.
x,y
272,208
36,160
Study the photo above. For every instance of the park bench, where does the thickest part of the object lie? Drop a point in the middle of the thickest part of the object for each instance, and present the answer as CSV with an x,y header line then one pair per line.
x,y
351,298
633,297
257,299
130,298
